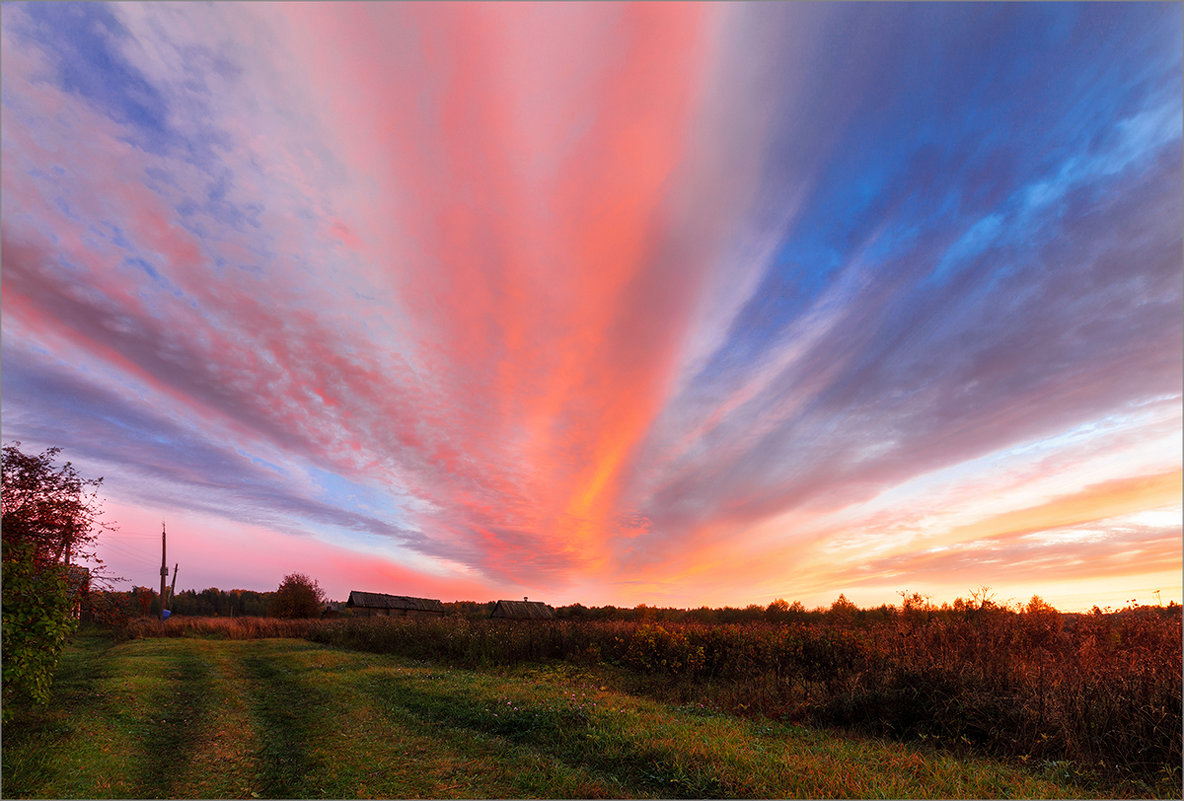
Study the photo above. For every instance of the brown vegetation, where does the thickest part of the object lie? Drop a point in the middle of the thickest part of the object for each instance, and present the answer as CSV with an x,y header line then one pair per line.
x,y
226,628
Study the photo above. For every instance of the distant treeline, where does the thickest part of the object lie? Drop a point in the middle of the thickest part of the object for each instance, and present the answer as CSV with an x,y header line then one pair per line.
x,y
779,611
782,611
214,602
143,601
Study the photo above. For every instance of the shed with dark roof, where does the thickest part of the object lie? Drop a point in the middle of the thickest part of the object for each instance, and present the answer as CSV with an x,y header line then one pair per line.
x,y
376,603
522,610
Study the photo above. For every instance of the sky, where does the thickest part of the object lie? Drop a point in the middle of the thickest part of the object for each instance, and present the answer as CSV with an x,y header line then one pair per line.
x,y
675,304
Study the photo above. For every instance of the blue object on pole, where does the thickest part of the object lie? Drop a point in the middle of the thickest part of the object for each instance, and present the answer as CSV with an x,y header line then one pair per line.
x,y
164,615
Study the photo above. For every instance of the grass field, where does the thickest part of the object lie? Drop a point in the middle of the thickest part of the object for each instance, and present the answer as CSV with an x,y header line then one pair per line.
x,y
201,718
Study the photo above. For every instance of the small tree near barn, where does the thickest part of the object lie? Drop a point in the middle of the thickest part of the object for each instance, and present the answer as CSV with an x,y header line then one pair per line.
x,y
297,596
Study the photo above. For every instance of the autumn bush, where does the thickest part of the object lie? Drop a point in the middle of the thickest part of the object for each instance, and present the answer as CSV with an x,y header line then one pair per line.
x,y
298,596
37,623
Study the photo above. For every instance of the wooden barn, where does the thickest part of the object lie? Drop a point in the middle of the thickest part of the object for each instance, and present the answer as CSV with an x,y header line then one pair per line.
x,y
367,604
522,610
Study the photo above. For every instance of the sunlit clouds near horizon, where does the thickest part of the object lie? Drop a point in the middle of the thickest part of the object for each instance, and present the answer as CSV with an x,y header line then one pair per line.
x,y
672,304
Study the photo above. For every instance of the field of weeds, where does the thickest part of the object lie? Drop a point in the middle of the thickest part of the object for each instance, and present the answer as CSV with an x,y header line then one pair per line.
x,y
1098,696
190,717
217,628
1094,696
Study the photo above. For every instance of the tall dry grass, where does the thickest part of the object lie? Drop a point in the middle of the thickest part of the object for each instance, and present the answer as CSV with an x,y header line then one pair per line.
x,y
1101,690
224,628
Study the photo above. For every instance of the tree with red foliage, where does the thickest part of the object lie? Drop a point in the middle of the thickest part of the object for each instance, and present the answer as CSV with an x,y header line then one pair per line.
x,y
297,596
52,510
49,517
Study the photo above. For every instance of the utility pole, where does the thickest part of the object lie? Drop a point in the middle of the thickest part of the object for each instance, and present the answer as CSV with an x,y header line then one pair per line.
x,y
173,586
164,569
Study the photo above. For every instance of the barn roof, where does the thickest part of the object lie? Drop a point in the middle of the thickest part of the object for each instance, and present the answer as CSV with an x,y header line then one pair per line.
x,y
522,610
378,600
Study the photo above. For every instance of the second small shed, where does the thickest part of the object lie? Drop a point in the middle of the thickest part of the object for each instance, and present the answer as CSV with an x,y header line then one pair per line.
x,y
377,603
522,610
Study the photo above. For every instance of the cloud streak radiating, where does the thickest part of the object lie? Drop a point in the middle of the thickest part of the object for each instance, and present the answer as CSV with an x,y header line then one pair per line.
x,y
620,303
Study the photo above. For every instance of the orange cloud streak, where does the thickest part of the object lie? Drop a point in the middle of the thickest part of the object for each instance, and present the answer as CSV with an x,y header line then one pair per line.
x,y
537,234
802,567
1096,502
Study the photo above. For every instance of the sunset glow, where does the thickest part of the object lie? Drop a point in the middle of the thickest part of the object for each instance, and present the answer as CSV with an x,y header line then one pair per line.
x,y
702,304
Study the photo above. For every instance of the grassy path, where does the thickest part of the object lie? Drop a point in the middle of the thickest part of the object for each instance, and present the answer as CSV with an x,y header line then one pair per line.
x,y
191,718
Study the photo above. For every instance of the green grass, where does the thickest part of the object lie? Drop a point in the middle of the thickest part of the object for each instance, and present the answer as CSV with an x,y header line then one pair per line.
x,y
193,718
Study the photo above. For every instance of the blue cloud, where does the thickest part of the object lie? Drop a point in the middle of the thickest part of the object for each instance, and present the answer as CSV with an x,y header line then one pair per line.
x,y
82,39
164,460
937,116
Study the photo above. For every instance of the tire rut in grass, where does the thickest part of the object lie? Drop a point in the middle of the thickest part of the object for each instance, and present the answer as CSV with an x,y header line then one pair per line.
x,y
179,715
224,763
285,708
562,732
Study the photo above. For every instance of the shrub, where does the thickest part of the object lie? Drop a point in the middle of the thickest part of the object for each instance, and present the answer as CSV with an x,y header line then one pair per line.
x,y
49,518
37,622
